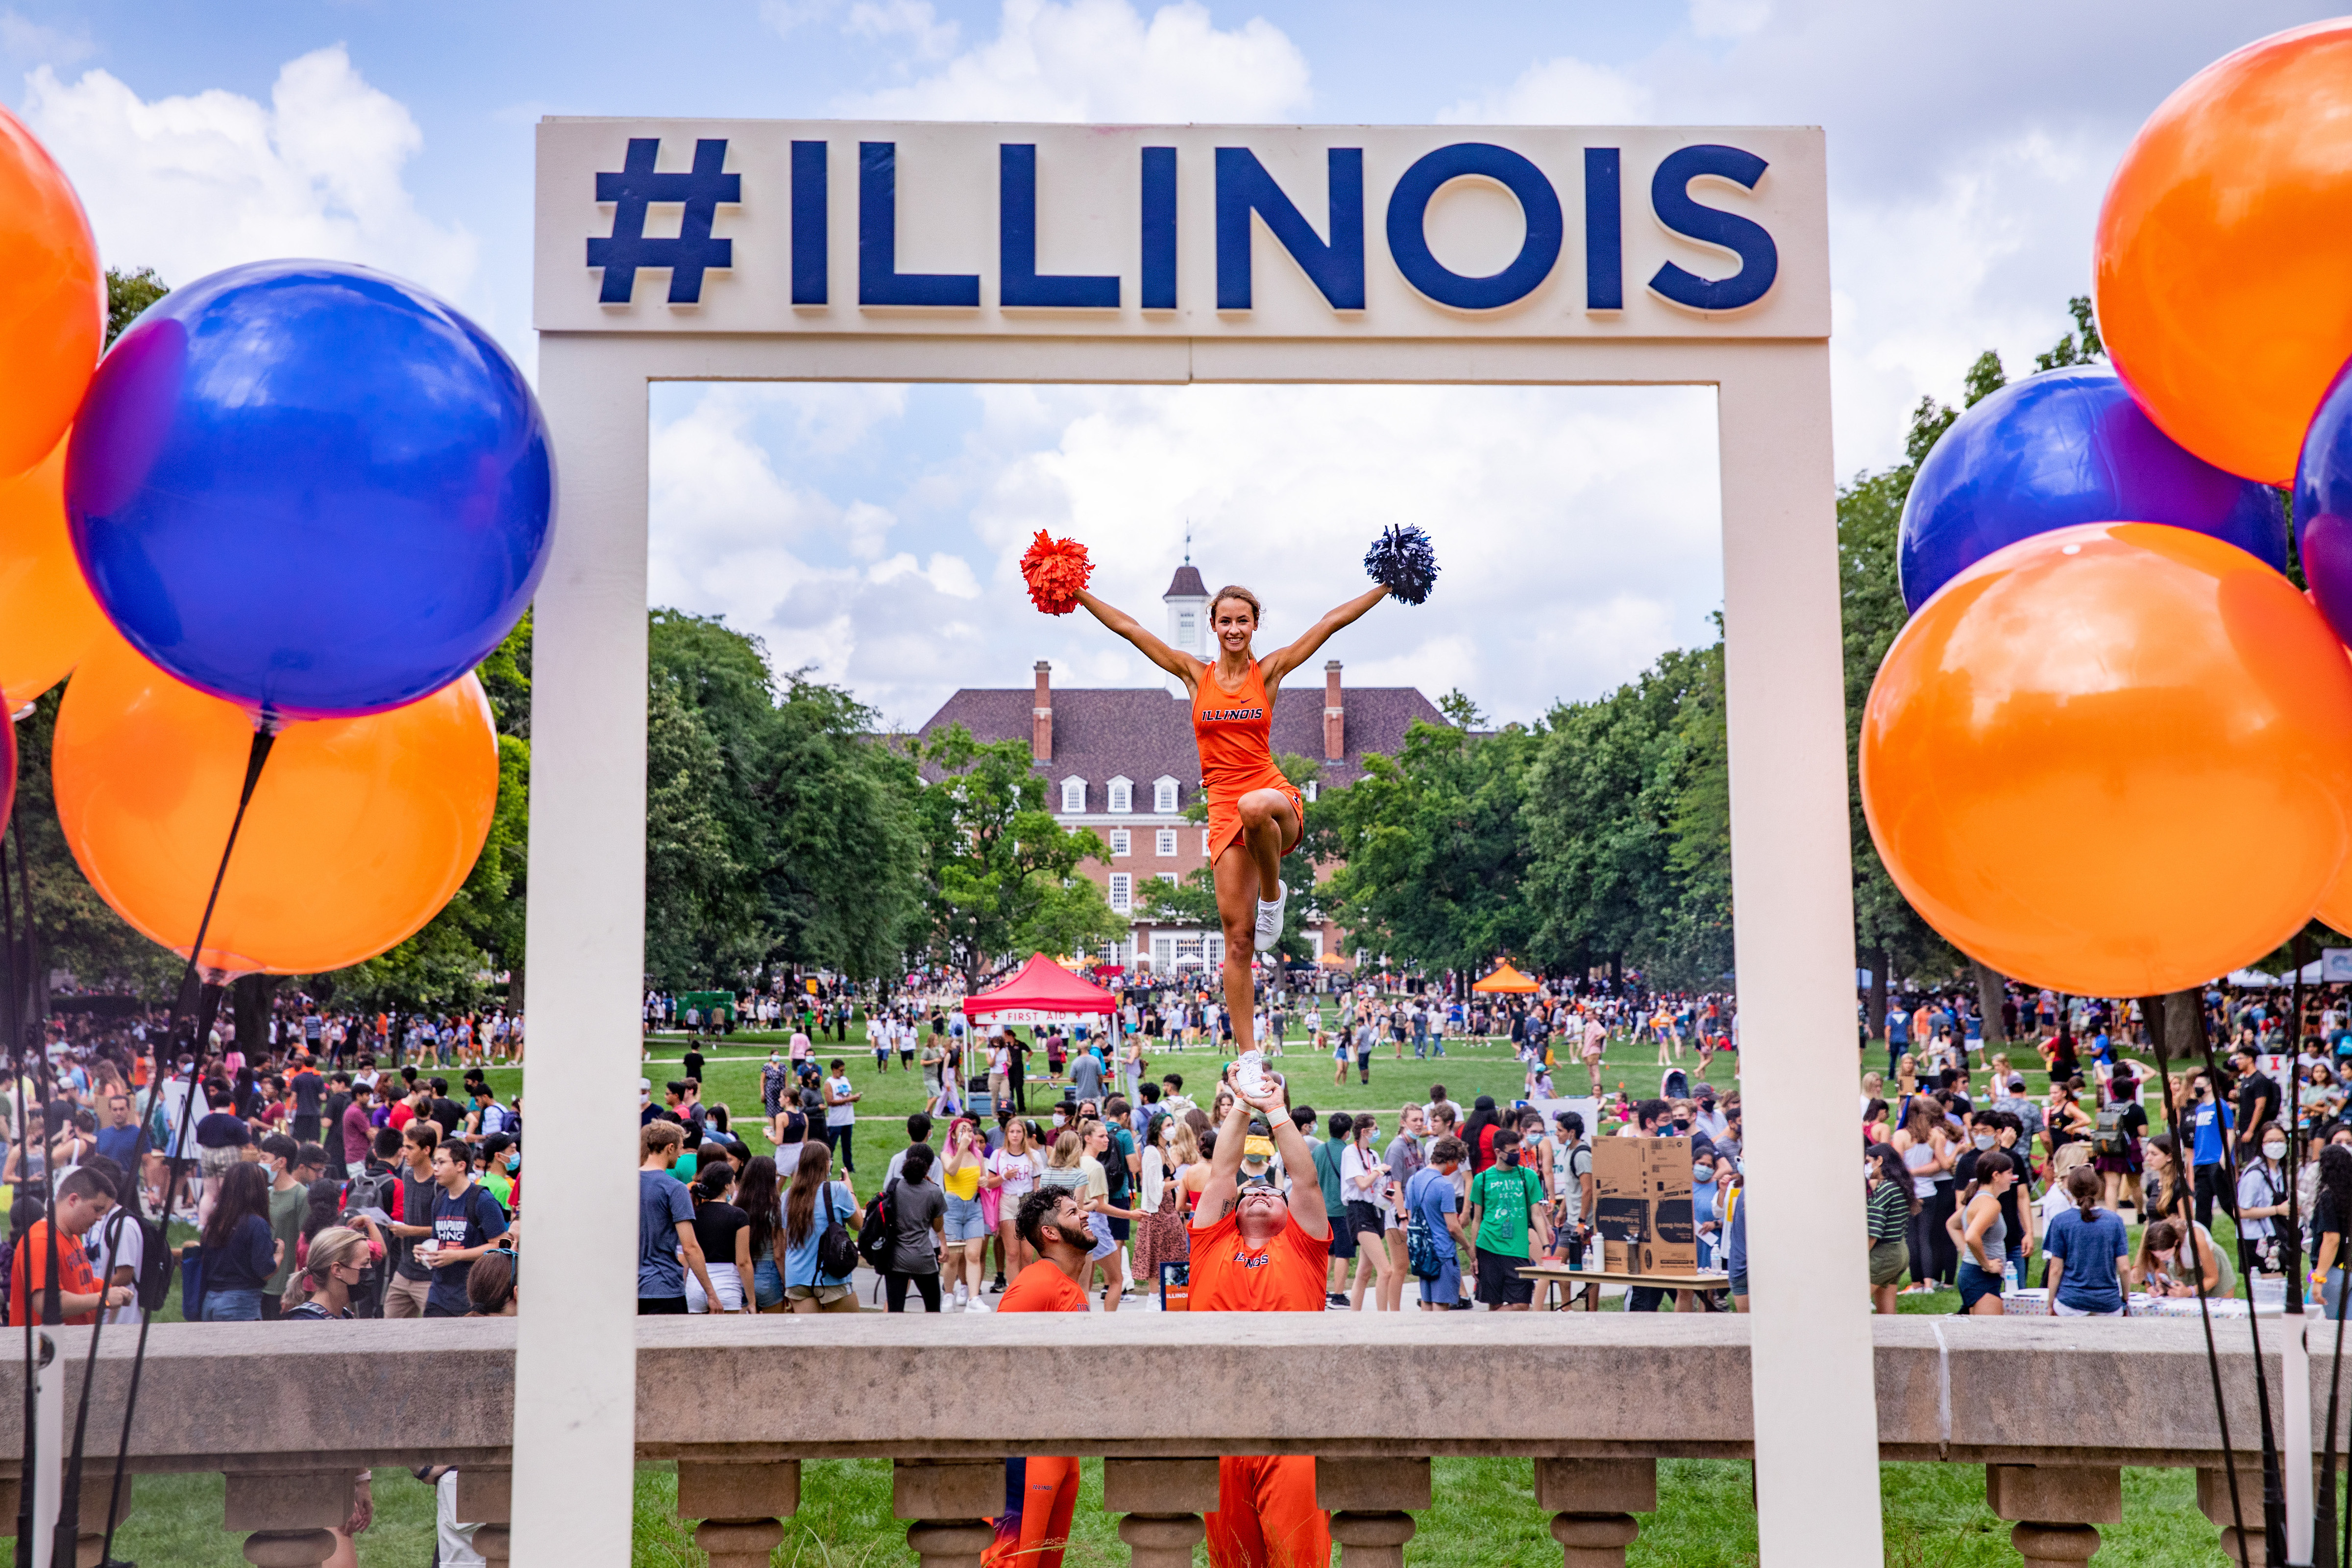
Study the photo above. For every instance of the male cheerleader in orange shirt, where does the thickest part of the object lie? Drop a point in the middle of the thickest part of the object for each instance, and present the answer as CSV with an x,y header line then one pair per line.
x,y
1254,1250
1255,814
1041,1494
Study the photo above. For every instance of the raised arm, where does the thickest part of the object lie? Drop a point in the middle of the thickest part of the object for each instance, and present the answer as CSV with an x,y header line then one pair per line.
x,y
1224,1163
1182,666
1283,660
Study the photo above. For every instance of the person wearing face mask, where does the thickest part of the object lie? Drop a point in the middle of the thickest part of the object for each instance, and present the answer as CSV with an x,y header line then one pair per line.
x,y
1731,1207
1983,1235
2262,1204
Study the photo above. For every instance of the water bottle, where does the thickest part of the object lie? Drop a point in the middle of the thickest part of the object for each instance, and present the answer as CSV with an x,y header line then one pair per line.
x,y
2008,1280
1592,1253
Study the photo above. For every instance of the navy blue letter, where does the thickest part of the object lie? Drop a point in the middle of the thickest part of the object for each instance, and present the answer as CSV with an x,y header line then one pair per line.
x,y
1604,232
1760,259
1159,228
1409,234
1336,268
809,270
1018,284
879,281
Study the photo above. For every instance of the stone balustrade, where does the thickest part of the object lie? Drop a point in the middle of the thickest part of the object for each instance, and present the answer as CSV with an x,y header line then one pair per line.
x,y
2051,1409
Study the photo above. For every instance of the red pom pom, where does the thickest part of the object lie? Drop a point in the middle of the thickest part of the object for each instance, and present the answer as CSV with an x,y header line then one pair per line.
x,y
1055,570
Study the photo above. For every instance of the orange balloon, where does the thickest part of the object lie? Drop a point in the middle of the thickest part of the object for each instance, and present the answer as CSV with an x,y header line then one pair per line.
x,y
2113,760
52,298
2223,283
47,619
359,831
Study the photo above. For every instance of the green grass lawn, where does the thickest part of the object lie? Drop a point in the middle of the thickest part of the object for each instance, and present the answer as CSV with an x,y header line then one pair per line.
x,y
1483,1515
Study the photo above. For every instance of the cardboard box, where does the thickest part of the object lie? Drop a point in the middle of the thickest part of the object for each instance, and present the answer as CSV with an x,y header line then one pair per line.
x,y
1644,1199
1621,1257
1669,1258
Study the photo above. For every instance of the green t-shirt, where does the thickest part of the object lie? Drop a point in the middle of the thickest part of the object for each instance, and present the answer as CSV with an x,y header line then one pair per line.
x,y
287,1212
1502,1195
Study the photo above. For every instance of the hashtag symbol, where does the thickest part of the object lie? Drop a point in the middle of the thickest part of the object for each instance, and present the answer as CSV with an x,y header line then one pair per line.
x,y
702,190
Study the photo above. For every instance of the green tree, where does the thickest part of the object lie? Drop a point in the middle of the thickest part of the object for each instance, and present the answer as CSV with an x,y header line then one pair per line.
x,y
127,294
1001,875
1433,846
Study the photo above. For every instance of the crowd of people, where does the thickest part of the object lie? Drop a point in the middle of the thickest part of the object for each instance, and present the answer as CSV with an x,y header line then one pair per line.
x,y
1966,1184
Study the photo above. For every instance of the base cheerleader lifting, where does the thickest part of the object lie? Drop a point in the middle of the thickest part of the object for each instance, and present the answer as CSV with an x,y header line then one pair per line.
x,y
1255,814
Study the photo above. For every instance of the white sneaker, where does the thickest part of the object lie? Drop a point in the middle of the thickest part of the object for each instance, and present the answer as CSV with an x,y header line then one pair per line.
x,y
977,1306
1269,918
961,1296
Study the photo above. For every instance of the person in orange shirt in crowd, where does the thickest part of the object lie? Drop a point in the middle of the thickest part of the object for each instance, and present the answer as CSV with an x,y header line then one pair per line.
x,y
84,1196
1256,1250
1041,1494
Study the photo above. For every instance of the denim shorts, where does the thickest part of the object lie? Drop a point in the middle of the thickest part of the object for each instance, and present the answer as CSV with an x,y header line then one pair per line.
x,y
1104,1243
1446,1288
767,1284
965,1221
1976,1284
232,1306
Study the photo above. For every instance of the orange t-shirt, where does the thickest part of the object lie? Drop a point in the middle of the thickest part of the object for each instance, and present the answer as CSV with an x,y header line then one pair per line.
x,y
1041,1288
30,1277
1286,1275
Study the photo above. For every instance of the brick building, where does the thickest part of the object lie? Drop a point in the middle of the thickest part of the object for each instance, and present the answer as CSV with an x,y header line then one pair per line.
x,y
1121,761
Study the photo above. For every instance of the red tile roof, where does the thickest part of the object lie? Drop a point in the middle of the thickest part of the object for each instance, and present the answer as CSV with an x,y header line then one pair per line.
x,y
1143,733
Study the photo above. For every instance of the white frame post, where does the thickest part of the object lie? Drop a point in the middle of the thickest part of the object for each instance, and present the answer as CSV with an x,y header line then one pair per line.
x,y
1815,1417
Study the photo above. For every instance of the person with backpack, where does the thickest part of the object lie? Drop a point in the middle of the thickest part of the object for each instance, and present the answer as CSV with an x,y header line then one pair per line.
x,y
913,1212
1507,1205
2115,1137
1435,1239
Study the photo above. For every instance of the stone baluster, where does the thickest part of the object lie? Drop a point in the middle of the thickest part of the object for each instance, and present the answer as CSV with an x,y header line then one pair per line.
x,y
951,1502
1593,1503
2213,1501
2056,1508
486,1500
743,1507
96,1483
288,1516
1372,1503
1162,1502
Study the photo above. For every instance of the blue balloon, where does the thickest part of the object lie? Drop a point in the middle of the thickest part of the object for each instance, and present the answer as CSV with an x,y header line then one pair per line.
x,y
2323,505
310,488
2062,447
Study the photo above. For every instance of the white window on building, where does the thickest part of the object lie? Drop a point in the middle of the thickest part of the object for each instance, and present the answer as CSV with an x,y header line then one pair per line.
x,y
1073,795
1119,840
1204,841
1164,842
1163,795
1163,953
1187,947
1122,794
1188,631
1168,877
1213,948
1310,791
1122,891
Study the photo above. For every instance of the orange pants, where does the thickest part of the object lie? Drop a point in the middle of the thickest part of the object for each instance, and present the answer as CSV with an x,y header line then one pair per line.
x,y
1039,1498
1267,1515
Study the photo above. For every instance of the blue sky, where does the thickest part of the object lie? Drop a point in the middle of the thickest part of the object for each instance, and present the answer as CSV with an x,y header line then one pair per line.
x,y
869,532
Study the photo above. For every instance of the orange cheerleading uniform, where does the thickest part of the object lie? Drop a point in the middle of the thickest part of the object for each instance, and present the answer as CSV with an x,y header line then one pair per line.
x,y
1234,732
1267,1515
1040,1494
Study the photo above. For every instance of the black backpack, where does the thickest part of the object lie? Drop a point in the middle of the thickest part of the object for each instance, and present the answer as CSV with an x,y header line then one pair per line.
x,y
837,1249
369,1191
877,1236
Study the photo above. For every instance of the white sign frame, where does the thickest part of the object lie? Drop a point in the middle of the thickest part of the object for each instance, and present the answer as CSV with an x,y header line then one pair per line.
x,y
1813,1398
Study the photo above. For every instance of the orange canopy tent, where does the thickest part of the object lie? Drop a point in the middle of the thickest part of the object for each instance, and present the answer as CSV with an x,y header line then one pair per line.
x,y
1041,989
1506,978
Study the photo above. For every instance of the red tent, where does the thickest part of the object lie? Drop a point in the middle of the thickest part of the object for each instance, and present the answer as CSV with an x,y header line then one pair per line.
x,y
1043,988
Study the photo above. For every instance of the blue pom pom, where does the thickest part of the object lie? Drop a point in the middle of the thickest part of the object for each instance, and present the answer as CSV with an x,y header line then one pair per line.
x,y
1401,560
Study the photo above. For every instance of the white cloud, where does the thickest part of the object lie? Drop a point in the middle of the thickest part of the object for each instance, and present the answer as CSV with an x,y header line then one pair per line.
x,y
28,42
913,20
190,185
1562,92
1729,18
1577,528
1101,60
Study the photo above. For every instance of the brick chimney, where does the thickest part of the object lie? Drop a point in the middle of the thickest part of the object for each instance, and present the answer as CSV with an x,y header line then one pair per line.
x,y
1335,714
1041,720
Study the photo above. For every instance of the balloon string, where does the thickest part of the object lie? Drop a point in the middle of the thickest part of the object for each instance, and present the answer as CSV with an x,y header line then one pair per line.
x,y
207,1009
2213,1356
11,1017
2273,1498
